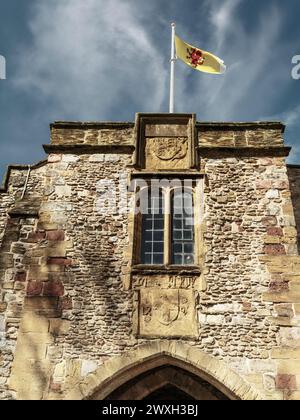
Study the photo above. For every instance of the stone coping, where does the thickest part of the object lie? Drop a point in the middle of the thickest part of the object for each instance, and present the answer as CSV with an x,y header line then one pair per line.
x,y
214,125
10,168
247,125
92,124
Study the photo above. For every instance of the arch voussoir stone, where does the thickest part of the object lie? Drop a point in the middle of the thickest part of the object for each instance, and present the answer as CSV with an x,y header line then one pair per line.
x,y
121,369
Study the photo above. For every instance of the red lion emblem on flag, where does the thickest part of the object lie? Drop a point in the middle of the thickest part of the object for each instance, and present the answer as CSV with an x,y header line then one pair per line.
x,y
195,56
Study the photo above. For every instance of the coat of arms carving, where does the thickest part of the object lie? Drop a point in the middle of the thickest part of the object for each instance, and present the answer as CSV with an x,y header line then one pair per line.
x,y
170,148
167,312
167,308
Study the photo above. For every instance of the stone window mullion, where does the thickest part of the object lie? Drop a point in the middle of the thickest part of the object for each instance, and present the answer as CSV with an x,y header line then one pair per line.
x,y
167,232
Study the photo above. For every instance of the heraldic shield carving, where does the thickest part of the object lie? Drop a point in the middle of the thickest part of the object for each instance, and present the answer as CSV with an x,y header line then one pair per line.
x,y
167,312
167,153
170,149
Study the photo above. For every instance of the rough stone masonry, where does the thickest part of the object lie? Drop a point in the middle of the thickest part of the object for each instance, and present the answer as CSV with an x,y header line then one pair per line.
x,y
80,316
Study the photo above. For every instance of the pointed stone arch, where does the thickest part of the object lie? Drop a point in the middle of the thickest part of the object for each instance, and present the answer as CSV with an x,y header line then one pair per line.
x,y
121,369
166,382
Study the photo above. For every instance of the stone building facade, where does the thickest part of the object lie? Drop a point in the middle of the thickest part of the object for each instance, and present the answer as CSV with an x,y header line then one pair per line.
x,y
89,311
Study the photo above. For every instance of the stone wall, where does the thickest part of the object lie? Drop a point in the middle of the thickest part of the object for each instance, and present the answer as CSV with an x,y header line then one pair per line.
x,y
68,260
248,214
92,133
255,135
19,220
294,178
16,181
245,199
65,254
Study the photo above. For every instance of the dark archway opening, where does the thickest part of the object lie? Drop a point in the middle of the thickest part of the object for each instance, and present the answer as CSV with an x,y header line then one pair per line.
x,y
167,383
169,393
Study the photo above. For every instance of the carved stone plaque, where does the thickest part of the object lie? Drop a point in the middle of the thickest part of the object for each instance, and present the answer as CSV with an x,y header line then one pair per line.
x,y
165,142
167,313
167,153
166,281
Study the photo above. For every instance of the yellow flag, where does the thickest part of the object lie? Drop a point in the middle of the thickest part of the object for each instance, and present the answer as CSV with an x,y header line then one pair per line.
x,y
198,59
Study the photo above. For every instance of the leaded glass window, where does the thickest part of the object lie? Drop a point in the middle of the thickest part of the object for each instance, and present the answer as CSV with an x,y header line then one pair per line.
x,y
167,227
152,249
182,228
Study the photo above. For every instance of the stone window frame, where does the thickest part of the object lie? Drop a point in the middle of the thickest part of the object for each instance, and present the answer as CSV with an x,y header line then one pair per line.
x,y
198,200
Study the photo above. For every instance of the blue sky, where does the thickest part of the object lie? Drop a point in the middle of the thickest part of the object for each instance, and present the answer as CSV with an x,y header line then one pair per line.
x,y
107,59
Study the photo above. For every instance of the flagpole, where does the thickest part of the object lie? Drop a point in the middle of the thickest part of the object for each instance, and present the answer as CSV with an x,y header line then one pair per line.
x,y
172,76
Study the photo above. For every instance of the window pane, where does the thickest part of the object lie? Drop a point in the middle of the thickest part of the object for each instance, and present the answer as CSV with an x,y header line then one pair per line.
x,y
147,259
182,228
158,236
187,235
177,235
158,224
177,259
152,241
147,247
189,223
177,248
188,259
158,247
158,259
148,224
188,248
177,224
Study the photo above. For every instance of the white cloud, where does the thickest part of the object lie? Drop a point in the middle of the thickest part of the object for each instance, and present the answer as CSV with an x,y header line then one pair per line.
x,y
221,18
251,83
88,57
290,117
95,59
106,59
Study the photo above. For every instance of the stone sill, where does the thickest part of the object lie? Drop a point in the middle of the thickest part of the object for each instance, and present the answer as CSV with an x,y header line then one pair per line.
x,y
167,174
193,338
162,269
